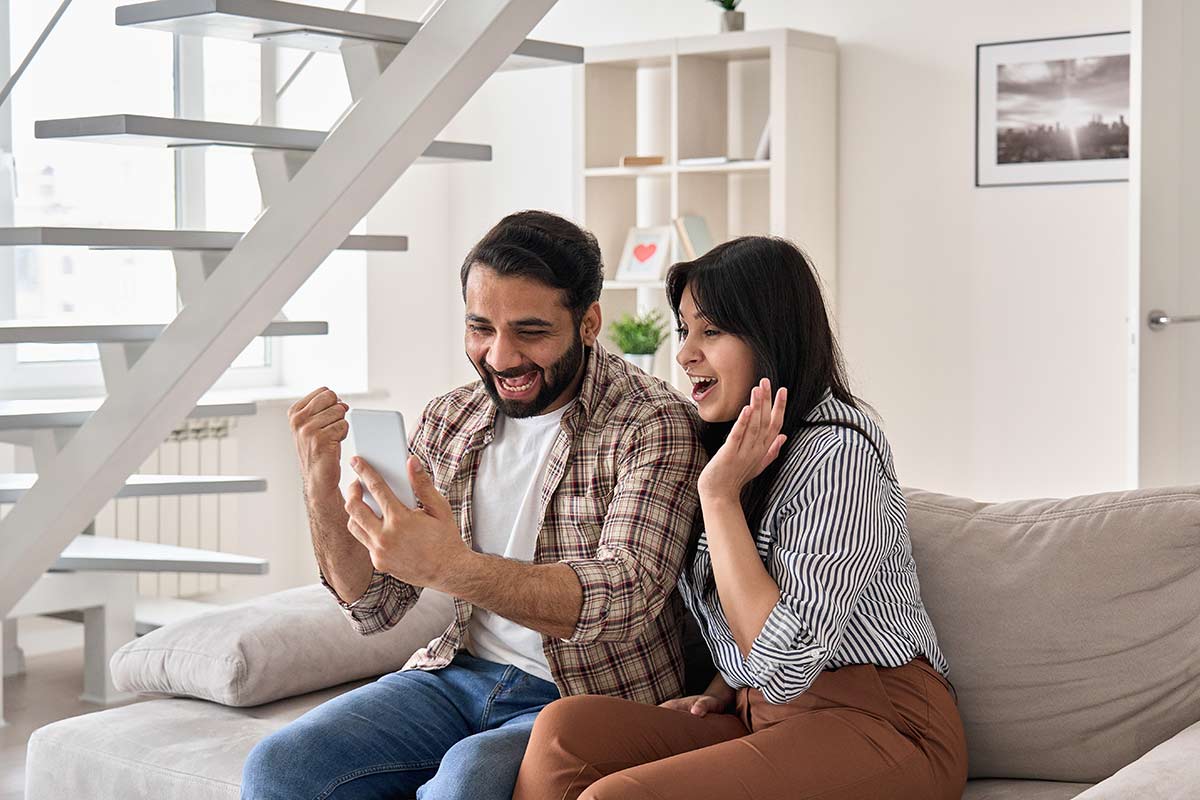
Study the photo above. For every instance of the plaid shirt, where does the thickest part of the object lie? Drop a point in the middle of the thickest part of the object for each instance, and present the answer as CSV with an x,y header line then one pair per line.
x,y
617,506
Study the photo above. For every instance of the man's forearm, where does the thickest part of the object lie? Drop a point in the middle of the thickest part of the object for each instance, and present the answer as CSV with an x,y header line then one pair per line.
x,y
544,597
344,562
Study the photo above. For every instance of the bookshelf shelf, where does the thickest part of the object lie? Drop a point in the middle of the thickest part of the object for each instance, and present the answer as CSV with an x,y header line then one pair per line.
x,y
627,172
704,97
749,165
742,165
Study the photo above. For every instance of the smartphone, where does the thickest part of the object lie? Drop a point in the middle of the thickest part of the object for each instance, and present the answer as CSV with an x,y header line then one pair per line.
x,y
378,438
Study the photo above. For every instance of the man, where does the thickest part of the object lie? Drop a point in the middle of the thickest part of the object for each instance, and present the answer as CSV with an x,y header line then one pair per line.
x,y
557,496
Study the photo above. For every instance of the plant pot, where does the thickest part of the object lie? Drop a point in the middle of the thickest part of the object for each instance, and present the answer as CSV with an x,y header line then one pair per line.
x,y
643,361
733,21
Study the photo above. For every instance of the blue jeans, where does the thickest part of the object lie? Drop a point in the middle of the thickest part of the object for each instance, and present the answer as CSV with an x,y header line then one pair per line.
x,y
459,732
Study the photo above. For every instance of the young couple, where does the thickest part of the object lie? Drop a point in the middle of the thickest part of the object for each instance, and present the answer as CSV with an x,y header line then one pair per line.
x,y
569,501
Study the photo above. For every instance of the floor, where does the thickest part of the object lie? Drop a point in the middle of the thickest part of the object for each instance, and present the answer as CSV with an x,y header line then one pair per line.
x,y
48,690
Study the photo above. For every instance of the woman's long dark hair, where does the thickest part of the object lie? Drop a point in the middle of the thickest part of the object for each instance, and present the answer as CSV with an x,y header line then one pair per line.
x,y
765,291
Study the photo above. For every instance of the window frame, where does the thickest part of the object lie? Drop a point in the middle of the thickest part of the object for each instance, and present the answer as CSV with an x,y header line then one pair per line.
x,y
84,378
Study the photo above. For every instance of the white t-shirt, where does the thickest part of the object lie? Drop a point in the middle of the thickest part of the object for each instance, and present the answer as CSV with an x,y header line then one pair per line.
x,y
505,514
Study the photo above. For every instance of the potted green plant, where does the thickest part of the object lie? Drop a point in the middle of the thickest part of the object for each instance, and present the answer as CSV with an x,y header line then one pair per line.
x,y
731,18
639,337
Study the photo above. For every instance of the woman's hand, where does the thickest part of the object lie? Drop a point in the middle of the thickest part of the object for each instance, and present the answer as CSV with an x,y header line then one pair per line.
x,y
717,699
753,443
698,705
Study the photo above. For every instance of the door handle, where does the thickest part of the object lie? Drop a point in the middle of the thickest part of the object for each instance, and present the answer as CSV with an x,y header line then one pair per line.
x,y
1159,319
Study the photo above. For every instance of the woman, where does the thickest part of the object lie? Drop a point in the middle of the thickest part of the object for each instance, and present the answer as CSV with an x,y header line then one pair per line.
x,y
830,683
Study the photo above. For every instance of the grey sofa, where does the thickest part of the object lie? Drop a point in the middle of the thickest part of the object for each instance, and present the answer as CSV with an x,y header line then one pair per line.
x,y
1072,629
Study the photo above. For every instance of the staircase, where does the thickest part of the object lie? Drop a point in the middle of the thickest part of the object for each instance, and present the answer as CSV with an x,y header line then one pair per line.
x,y
407,80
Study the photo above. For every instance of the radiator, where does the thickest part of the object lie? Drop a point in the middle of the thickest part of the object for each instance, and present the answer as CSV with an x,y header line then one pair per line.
x,y
199,447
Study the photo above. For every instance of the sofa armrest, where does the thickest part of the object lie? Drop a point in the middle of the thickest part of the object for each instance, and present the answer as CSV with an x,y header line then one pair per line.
x,y
1170,771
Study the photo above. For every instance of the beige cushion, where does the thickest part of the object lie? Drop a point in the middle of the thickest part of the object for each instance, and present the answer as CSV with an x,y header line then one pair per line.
x,y
190,750
989,789
177,748
1170,771
1071,626
280,645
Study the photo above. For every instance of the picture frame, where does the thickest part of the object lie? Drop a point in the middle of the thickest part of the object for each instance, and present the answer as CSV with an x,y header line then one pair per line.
x,y
1051,111
645,255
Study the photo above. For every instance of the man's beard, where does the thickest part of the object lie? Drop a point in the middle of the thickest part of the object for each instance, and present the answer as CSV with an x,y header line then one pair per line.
x,y
555,380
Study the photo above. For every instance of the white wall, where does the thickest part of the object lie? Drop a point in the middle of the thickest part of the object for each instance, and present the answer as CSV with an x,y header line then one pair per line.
x,y
987,326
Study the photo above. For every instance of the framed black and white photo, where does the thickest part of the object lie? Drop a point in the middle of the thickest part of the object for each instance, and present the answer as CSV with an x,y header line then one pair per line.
x,y
1052,111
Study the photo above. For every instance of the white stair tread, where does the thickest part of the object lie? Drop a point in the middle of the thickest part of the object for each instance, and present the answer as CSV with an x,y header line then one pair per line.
x,y
73,412
19,332
306,27
106,554
153,613
15,484
151,239
172,132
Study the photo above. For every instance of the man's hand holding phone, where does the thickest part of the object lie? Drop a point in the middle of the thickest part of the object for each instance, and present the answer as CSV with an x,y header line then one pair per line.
x,y
419,546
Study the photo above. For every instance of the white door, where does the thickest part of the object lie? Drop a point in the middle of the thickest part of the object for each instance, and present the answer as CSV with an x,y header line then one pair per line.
x,y
1166,242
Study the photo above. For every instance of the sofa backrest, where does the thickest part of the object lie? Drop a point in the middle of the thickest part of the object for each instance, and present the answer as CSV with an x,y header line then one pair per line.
x,y
1072,627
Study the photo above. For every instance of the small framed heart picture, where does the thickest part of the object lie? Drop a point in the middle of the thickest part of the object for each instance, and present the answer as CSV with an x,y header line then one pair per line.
x,y
646,254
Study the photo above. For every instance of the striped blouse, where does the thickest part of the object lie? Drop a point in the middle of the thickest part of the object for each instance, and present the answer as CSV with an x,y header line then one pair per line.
x,y
835,539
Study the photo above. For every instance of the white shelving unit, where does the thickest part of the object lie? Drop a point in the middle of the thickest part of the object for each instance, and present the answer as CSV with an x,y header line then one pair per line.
x,y
701,97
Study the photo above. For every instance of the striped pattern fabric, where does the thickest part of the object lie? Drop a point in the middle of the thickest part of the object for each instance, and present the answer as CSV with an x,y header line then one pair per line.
x,y
835,539
618,506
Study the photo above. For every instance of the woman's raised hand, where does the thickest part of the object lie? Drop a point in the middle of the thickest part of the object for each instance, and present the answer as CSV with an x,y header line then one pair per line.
x,y
753,443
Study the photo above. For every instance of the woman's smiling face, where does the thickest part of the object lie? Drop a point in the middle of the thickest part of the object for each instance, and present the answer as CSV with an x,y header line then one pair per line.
x,y
719,364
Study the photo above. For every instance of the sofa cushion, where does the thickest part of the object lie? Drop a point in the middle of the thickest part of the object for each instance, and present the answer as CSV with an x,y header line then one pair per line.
x,y
280,645
1170,770
181,749
1022,790
192,750
1071,626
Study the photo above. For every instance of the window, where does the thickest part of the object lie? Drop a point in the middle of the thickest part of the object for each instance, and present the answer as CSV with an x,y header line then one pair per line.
x,y
89,66
219,81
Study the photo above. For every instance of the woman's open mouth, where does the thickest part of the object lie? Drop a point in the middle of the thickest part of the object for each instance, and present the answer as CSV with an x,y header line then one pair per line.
x,y
522,387
701,386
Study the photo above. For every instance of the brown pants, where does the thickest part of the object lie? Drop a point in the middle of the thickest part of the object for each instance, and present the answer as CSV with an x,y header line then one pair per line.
x,y
859,732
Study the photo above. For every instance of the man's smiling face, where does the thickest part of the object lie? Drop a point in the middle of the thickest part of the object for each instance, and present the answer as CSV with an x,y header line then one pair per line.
x,y
524,342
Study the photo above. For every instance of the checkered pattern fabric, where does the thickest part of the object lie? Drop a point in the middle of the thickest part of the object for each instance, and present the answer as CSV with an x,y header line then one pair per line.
x,y
618,505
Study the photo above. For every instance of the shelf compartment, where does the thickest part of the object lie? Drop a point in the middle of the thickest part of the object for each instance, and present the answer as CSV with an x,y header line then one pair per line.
x,y
723,106
732,204
638,118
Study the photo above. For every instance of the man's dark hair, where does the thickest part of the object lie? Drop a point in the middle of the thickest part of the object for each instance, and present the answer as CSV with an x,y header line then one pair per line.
x,y
547,248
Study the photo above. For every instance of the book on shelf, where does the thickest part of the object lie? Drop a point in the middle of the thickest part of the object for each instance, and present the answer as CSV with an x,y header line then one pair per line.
x,y
694,238
642,161
763,151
